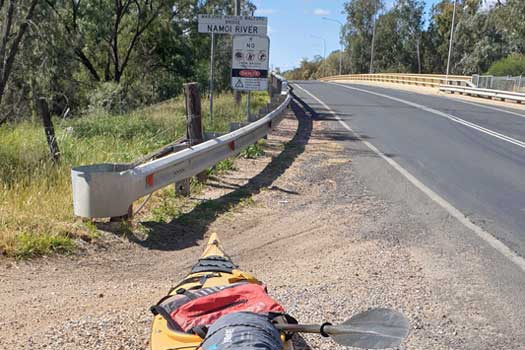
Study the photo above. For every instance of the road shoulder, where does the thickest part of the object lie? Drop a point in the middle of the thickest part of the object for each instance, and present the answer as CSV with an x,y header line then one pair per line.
x,y
317,226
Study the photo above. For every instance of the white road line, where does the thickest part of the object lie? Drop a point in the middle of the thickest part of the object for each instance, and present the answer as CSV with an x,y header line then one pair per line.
x,y
482,105
481,233
442,114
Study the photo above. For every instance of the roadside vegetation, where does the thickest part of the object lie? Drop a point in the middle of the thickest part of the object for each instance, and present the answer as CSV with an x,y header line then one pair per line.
x,y
513,65
107,76
36,215
408,40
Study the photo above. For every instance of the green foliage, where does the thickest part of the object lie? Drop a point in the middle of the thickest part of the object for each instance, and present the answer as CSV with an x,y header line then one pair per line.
x,y
222,167
513,65
35,195
109,57
484,33
361,15
114,98
253,151
307,70
166,209
29,245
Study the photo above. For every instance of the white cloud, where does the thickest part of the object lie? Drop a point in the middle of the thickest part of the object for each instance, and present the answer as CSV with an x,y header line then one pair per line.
x,y
321,12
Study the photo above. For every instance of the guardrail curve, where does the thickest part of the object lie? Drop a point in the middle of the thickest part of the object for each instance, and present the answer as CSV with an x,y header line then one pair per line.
x,y
107,190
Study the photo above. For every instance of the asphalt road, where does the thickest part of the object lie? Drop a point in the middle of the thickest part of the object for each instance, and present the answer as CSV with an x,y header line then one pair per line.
x,y
471,155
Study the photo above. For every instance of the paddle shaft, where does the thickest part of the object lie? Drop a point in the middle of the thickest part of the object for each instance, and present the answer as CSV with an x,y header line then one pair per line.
x,y
306,328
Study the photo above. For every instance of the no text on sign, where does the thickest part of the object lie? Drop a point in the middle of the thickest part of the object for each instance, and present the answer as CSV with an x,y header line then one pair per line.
x,y
250,25
250,62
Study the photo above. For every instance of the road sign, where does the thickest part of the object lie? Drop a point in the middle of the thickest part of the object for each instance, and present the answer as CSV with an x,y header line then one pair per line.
x,y
234,25
250,62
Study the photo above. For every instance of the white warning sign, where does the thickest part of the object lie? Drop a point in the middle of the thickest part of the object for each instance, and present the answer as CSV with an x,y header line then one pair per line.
x,y
250,62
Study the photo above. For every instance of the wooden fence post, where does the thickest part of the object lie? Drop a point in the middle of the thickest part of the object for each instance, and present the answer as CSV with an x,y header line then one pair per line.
x,y
193,113
49,129
194,130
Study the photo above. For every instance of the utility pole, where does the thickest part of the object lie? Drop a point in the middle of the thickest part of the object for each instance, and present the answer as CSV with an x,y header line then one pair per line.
x,y
373,38
340,42
451,40
237,9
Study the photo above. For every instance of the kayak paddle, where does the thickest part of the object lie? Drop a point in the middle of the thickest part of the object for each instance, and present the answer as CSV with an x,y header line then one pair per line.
x,y
372,329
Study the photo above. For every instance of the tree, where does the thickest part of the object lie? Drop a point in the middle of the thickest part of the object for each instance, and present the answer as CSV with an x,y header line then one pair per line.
x,y
360,15
307,69
330,65
14,23
104,34
388,47
509,20
410,26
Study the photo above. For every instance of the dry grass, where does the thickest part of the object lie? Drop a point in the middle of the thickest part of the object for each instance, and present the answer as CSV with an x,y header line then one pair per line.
x,y
36,215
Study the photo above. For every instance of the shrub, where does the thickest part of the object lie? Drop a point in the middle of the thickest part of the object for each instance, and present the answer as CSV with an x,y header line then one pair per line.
x,y
113,98
512,65
29,245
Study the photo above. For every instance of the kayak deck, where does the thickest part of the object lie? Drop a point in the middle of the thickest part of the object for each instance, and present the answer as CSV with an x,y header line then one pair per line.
x,y
214,269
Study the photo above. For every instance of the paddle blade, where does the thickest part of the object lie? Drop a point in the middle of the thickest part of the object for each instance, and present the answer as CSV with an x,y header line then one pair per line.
x,y
373,329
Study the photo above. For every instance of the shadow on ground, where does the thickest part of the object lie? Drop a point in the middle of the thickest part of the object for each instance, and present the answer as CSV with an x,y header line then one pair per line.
x,y
190,227
187,229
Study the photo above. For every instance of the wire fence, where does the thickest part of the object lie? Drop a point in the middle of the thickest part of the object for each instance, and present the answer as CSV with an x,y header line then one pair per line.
x,y
514,84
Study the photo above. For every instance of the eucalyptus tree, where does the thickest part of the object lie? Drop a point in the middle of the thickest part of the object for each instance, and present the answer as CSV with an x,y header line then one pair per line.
x,y
359,31
15,19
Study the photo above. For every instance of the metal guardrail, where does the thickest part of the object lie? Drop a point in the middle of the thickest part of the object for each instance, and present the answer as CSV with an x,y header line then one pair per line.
x,y
504,83
500,94
107,190
432,80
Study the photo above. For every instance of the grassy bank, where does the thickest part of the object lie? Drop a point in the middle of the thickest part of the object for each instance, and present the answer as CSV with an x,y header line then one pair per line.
x,y
36,215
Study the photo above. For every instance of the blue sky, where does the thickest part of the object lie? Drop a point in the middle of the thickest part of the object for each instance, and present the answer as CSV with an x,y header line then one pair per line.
x,y
293,22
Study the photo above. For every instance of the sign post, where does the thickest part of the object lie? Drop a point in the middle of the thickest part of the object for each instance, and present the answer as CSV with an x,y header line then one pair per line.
x,y
212,68
233,25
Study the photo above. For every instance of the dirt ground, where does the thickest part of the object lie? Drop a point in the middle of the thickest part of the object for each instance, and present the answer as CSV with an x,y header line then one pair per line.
x,y
304,227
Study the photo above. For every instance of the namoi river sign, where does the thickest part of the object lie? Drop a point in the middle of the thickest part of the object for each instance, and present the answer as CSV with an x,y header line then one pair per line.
x,y
233,25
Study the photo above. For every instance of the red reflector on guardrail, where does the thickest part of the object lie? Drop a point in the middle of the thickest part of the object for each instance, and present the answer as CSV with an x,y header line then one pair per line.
x,y
150,180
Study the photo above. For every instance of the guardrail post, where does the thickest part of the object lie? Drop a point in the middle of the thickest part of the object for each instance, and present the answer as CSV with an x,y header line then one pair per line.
x,y
270,86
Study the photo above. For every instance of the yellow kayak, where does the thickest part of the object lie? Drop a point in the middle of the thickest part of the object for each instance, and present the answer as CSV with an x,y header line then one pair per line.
x,y
179,317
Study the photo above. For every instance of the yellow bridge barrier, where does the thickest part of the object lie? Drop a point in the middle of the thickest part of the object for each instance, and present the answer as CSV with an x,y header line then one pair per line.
x,y
431,80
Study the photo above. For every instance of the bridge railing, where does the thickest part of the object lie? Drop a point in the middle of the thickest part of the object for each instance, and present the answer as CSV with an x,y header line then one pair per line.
x,y
488,93
431,80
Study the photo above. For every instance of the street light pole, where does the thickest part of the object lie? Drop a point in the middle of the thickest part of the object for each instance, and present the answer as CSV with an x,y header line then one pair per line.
x,y
340,42
451,41
373,39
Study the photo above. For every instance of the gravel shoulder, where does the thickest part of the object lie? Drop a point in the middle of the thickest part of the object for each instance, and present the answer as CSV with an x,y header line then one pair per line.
x,y
326,241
